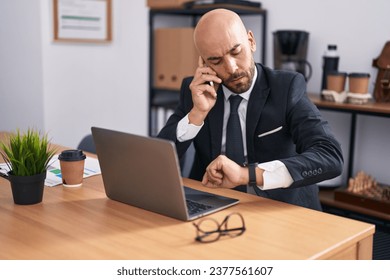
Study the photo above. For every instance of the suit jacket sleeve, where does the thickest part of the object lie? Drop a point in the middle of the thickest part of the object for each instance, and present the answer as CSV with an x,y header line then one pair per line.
x,y
319,156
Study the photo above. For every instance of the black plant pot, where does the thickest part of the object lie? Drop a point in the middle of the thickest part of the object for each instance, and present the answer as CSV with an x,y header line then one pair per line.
x,y
27,189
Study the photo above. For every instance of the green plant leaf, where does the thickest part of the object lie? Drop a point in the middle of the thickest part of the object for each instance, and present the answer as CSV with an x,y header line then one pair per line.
x,y
27,154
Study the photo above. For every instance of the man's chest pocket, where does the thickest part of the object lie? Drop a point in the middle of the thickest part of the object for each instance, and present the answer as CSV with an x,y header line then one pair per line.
x,y
270,132
273,143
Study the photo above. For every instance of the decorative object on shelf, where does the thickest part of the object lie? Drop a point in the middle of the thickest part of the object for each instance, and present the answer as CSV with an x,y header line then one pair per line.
x,y
362,182
364,191
27,156
382,84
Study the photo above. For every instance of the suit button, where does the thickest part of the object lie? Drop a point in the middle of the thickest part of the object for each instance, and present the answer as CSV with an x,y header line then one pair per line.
x,y
315,172
310,173
304,173
319,170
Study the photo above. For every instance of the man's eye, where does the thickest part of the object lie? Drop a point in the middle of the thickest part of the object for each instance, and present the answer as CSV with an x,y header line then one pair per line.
x,y
236,51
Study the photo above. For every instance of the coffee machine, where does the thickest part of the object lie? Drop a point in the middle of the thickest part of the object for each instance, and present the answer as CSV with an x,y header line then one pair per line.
x,y
290,51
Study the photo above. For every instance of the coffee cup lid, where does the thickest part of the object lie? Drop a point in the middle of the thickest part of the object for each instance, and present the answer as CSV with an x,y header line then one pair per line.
x,y
72,155
359,75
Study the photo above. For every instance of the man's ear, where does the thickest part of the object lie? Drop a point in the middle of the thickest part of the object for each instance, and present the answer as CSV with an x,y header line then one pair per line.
x,y
252,41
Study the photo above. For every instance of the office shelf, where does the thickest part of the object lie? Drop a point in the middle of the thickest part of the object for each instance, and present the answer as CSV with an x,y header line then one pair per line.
x,y
381,219
168,99
372,109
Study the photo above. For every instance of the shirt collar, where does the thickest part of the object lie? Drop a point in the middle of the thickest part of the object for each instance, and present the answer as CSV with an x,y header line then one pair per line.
x,y
227,92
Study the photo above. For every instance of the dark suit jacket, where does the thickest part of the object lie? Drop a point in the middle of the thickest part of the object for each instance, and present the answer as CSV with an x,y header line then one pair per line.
x,y
304,143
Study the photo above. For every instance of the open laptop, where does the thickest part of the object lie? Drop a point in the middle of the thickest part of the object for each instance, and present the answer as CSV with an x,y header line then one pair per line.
x,y
144,172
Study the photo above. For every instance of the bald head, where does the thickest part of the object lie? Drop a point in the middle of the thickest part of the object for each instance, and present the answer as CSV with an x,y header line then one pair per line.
x,y
216,25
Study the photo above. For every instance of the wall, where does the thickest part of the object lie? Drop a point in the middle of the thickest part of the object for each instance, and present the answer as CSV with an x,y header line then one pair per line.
x,y
21,80
66,88
97,84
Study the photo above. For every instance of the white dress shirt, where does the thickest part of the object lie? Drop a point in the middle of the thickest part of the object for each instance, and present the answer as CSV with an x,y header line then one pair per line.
x,y
275,173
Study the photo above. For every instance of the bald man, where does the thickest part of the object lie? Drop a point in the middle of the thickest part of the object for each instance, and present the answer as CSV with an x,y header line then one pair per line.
x,y
288,147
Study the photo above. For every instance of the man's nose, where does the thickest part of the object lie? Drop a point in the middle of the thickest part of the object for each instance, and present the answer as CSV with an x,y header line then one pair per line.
x,y
231,65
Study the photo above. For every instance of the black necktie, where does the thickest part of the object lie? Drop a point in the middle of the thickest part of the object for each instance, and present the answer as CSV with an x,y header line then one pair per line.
x,y
234,143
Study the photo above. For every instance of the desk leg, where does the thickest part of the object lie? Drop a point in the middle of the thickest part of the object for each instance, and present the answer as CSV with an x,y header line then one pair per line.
x,y
365,248
351,146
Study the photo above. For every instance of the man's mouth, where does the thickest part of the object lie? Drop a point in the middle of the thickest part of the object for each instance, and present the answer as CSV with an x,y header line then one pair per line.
x,y
235,79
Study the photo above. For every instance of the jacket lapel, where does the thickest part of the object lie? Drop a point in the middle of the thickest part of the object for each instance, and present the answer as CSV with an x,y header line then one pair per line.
x,y
256,103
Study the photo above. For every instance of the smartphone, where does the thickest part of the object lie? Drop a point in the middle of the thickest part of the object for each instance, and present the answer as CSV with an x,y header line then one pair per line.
x,y
211,83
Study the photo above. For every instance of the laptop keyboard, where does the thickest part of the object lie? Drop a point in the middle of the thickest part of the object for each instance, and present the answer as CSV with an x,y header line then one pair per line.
x,y
196,207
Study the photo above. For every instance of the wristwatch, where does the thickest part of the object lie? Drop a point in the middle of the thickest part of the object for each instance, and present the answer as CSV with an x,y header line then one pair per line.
x,y
252,174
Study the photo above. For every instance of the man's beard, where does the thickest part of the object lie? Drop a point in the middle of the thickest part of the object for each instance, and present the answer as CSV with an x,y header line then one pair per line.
x,y
241,87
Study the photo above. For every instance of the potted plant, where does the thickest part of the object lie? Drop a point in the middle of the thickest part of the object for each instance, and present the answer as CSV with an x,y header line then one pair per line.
x,y
27,156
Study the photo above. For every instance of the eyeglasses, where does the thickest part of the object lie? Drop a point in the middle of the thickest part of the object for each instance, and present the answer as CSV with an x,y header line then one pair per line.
x,y
209,230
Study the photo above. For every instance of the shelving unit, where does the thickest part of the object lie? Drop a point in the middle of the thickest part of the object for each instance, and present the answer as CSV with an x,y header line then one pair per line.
x,y
168,99
372,109
381,246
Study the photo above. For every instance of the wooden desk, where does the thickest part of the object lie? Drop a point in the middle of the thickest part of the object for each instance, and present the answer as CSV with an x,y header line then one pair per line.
x,y
82,223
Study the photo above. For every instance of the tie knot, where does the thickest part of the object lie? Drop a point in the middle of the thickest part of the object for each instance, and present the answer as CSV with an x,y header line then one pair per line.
x,y
234,100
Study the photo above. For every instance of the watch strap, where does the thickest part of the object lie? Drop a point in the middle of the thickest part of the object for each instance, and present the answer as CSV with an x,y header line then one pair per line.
x,y
252,174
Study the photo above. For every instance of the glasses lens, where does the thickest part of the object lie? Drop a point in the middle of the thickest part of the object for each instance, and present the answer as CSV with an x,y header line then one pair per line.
x,y
234,225
208,230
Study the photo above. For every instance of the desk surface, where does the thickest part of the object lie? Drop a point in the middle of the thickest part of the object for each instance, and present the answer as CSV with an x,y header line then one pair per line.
x,y
82,223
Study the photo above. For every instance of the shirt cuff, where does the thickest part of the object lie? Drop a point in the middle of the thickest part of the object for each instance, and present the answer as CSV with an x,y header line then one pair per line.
x,y
275,175
185,130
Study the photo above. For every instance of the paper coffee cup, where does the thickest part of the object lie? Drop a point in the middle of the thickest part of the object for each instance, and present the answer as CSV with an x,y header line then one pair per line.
x,y
336,81
72,167
358,82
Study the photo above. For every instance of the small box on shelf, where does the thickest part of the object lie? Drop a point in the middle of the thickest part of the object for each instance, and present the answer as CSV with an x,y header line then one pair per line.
x,y
166,4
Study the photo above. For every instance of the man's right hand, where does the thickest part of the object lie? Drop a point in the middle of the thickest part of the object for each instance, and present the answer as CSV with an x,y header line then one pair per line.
x,y
204,95
224,173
